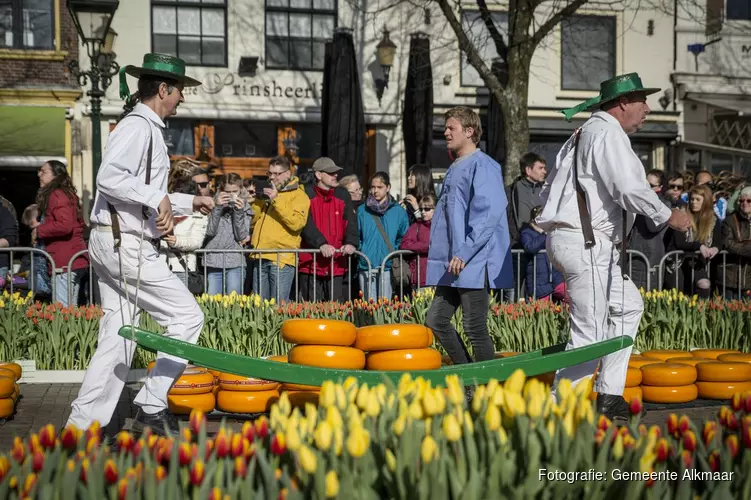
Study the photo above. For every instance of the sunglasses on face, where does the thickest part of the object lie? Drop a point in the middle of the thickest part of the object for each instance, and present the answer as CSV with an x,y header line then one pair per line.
x,y
676,186
252,193
744,201
202,184
427,209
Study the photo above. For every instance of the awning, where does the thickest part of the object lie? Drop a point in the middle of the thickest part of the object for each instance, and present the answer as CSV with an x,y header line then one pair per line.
x,y
32,131
417,116
561,128
737,105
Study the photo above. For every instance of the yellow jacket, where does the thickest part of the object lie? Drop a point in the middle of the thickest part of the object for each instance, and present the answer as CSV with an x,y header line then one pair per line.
x,y
279,224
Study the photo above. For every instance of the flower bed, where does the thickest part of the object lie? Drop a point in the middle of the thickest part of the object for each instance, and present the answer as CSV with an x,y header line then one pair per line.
x,y
408,441
65,339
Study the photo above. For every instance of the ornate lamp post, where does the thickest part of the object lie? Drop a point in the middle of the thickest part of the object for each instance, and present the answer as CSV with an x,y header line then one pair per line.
x,y
93,19
385,50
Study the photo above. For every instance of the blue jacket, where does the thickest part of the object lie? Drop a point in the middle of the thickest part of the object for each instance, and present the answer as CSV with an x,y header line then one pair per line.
x,y
395,222
533,242
470,223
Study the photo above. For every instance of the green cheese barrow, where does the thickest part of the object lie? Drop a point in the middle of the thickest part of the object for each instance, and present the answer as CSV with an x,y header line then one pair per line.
x,y
532,363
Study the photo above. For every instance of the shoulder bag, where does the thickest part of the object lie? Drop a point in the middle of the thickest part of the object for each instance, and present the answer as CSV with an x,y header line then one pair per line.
x,y
400,274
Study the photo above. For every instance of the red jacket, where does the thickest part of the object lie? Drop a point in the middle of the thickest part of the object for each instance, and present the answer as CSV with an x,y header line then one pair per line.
x,y
61,232
331,220
417,239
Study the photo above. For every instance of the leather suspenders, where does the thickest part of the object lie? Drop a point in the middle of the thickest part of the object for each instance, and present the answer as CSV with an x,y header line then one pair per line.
x,y
586,219
115,220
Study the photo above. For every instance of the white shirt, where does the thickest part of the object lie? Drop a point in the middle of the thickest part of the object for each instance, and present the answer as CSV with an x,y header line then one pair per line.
x,y
612,177
122,175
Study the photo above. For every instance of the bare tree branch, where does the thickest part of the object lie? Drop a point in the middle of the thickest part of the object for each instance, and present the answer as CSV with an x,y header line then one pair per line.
x,y
473,56
497,36
555,19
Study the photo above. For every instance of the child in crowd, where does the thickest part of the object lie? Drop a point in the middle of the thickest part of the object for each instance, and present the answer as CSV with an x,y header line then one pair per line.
x,y
41,284
417,239
542,280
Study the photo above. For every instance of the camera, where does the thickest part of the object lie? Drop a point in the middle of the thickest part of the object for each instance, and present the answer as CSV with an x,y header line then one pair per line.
x,y
260,186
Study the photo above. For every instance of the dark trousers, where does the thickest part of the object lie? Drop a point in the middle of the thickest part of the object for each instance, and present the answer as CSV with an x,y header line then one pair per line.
x,y
324,290
474,304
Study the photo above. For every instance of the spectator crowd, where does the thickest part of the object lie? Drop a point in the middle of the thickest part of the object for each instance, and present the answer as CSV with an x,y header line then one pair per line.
x,y
327,239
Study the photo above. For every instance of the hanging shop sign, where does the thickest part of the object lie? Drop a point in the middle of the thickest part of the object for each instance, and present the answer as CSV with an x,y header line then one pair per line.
x,y
231,84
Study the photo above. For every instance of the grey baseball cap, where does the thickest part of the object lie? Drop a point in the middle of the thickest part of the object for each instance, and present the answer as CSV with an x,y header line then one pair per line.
x,y
324,164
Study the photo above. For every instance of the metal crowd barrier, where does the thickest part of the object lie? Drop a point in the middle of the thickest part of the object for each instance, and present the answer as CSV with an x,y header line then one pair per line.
x,y
310,288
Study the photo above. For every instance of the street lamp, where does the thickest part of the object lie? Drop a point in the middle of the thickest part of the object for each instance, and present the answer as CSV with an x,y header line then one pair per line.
x,y
386,50
93,19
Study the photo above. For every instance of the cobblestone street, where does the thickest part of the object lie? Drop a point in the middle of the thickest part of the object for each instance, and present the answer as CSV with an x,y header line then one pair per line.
x,y
50,403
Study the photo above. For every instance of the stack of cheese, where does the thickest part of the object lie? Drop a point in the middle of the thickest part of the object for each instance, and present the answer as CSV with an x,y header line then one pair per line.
x,y
10,391
322,343
632,388
663,379
241,394
722,372
194,389
398,347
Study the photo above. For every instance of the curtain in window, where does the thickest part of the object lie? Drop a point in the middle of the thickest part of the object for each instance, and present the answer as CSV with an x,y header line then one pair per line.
x,y
417,117
342,116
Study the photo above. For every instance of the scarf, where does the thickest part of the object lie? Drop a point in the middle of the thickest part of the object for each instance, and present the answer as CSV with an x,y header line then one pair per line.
x,y
378,208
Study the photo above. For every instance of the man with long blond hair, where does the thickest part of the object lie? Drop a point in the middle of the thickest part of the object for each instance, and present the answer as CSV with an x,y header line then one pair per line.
x,y
469,251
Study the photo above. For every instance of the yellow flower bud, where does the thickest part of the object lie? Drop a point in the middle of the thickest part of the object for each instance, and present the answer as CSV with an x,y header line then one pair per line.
x,y
515,383
470,427
362,396
334,418
323,435
534,408
391,400
390,460
415,410
284,405
618,447
399,424
332,484
349,382
478,399
292,436
455,390
563,390
327,396
428,449
307,459
647,460
429,404
568,422
451,428
311,415
551,427
497,397
491,386
493,417
358,442
502,436
372,408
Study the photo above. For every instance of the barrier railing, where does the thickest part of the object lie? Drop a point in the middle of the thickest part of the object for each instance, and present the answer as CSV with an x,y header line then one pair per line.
x,y
32,268
677,269
668,264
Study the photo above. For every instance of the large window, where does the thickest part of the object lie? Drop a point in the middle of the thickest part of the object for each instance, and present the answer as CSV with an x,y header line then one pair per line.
x,y
27,24
479,35
179,137
296,32
738,10
245,139
193,30
587,51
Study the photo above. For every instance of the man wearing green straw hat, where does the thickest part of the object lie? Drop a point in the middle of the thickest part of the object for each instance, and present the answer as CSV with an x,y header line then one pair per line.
x,y
132,210
590,200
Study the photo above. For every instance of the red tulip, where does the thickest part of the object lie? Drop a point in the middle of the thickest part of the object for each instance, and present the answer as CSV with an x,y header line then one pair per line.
x,y
603,422
642,430
262,427
94,430
47,437
688,458
110,471
662,450
278,444
92,443
209,448
673,424
248,431
241,467
84,470
714,461
139,445
239,445
160,473
197,421
69,438
122,489
731,422
738,402
635,407
221,444
683,424
689,441
124,440
732,443
31,480
710,427
19,450
37,461
215,494
599,436
197,472
184,454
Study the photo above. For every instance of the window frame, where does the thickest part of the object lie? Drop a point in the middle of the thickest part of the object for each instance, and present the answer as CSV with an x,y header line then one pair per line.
x,y
200,5
294,10
735,19
462,55
17,27
614,50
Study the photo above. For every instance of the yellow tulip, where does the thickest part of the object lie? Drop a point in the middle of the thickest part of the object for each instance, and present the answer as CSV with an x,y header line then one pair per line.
x,y
284,405
429,404
415,410
491,386
455,390
399,424
647,461
349,382
551,427
497,397
333,417
534,407
323,435
380,391
343,397
406,385
292,436
478,398
470,427
372,407
502,436
358,442
311,415
513,405
362,396
332,484
493,417
307,458
338,441
391,400
390,460
515,382
618,447
440,399
451,428
583,389
428,449
568,422
327,396
563,390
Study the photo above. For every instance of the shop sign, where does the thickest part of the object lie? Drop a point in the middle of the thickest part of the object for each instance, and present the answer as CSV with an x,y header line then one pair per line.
x,y
231,84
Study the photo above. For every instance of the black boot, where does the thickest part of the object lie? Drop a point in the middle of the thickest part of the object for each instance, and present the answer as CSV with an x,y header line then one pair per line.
x,y
157,422
614,407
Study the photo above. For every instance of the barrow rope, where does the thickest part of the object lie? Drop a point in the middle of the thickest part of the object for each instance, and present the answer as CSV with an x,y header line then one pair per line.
x,y
124,282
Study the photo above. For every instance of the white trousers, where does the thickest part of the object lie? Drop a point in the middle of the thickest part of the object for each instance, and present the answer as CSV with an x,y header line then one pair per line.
x,y
602,306
163,296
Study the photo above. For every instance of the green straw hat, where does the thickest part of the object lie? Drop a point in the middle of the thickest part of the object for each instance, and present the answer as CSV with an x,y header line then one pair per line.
x,y
610,90
157,65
